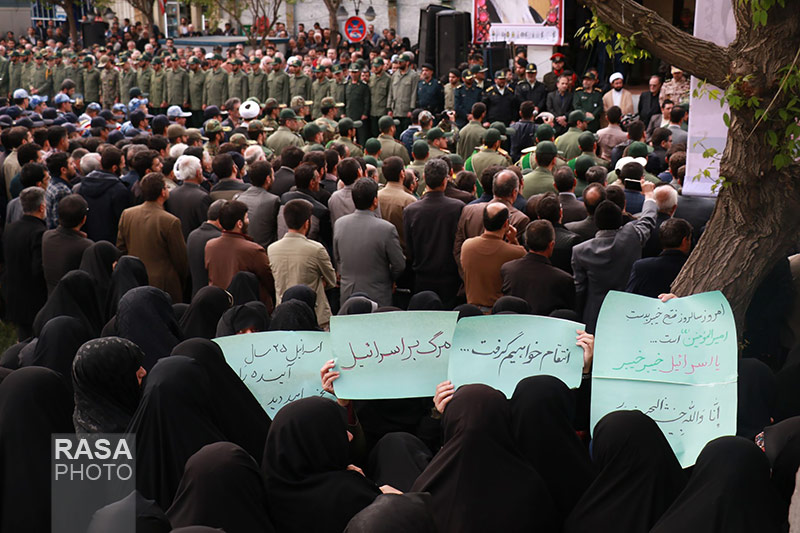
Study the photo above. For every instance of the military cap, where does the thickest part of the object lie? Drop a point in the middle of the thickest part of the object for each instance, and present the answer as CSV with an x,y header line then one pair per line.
x,y
467,74
372,146
437,133
310,130
175,130
492,136
386,122
255,125
545,132
530,67
271,103
420,149
575,116
194,60
288,114
547,148
212,126
346,124
586,140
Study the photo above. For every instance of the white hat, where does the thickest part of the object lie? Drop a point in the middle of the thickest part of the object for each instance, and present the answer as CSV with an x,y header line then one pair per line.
x,y
615,76
21,93
628,159
249,110
176,111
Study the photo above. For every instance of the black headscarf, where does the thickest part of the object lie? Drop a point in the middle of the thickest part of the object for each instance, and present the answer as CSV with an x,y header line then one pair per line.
x,y
145,317
467,310
57,345
73,296
398,459
358,305
11,357
244,288
542,414
305,464
252,315
107,391
512,304
34,404
98,260
729,492
293,315
116,516
174,420
479,481
129,273
239,415
221,487
207,307
756,403
304,293
395,513
197,529
638,476
782,446
425,301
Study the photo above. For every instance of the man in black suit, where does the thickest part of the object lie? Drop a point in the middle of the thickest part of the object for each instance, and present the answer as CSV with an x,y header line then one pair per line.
x,y
652,276
592,196
559,103
550,209
25,287
565,182
648,100
196,245
696,210
62,248
429,227
291,157
532,277
190,201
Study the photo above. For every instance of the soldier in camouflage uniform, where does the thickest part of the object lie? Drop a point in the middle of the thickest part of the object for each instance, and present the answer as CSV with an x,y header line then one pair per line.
x,y
302,108
328,122
320,89
270,119
215,88
109,79
379,85
177,84
339,83
197,78
278,82
158,87
357,101
237,81
299,83
92,84
257,81
144,74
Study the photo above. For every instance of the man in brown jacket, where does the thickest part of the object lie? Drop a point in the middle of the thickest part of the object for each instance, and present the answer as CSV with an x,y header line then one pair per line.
x,y
235,251
483,256
148,232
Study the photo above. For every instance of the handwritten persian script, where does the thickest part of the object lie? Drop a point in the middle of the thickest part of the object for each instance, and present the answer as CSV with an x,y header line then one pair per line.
x,y
278,367
391,355
674,361
501,350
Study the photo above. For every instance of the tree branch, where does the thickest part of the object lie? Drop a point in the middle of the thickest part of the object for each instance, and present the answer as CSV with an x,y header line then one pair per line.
x,y
701,58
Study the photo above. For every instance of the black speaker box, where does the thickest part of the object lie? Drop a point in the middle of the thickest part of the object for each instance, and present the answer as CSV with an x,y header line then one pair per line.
x,y
93,33
453,36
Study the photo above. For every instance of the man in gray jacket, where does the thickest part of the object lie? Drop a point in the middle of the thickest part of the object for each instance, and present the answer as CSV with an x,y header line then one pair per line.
x,y
604,263
366,248
262,206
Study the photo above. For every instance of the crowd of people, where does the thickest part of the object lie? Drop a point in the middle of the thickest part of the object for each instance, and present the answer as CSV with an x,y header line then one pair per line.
x,y
157,197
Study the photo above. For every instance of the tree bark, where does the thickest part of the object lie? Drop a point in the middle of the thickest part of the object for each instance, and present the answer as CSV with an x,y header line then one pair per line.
x,y
757,218
69,7
333,23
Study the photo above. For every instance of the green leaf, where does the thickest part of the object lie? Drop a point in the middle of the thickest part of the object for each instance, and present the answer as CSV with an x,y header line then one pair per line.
x,y
772,138
726,118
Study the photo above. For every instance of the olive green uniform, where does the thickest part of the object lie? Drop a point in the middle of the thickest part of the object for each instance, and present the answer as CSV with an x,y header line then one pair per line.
x,y
391,146
469,138
143,77
257,86
403,93
43,80
537,182
92,86
300,86
567,143
4,85
340,91
355,149
177,86
215,88
282,138
484,158
378,99
14,76
589,102
196,82
127,79
158,91
237,86
278,84
59,75
27,75
357,105
320,90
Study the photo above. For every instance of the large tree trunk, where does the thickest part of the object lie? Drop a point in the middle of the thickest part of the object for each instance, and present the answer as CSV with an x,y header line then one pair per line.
x,y
69,7
757,218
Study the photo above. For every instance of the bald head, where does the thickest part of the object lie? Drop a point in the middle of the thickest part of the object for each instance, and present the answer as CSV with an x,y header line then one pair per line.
x,y
495,216
592,196
505,185
666,198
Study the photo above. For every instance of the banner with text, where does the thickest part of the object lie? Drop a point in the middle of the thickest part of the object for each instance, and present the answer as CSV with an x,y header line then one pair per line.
x,y
522,22
675,361
502,350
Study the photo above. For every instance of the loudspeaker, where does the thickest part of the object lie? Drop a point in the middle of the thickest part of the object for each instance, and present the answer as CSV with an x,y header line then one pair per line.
x,y
495,57
453,35
94,33
427,34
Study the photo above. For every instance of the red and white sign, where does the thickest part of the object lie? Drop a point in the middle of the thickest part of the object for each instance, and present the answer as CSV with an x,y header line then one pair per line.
x,y
355,29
